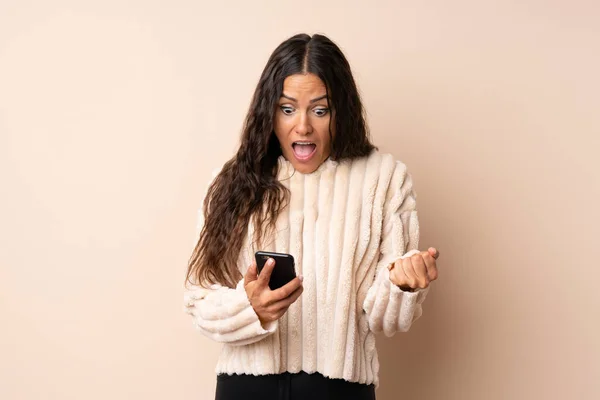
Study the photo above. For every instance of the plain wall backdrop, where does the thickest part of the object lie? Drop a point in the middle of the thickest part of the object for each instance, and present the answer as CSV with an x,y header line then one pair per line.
x,y
113,114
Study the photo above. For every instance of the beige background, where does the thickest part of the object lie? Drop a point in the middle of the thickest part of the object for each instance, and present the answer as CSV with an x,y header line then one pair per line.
x,y
113,115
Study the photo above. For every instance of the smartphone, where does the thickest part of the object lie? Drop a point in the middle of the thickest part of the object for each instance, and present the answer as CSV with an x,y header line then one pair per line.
x,y
284,270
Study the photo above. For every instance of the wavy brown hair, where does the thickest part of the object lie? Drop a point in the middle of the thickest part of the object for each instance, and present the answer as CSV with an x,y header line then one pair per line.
x,y
247,187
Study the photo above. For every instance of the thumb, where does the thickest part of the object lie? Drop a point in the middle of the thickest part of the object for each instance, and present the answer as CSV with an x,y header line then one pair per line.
x,y
434,252
251,274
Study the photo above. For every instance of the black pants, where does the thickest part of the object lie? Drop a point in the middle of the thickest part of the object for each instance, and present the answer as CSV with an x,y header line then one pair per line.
x,y
286,386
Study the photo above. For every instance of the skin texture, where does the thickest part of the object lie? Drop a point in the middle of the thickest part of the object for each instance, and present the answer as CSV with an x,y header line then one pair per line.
x,y
416,271
303,115
269,304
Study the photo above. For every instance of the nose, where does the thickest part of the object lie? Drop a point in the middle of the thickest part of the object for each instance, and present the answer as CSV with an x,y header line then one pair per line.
x,y
303,126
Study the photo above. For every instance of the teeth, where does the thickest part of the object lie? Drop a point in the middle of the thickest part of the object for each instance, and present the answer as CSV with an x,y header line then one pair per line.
x,y
303,143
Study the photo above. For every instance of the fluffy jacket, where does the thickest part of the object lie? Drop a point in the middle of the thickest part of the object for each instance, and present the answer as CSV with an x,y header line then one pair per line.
x,y
344,224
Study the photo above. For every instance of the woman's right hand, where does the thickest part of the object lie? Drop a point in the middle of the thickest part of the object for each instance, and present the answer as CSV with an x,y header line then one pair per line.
x,y
269,304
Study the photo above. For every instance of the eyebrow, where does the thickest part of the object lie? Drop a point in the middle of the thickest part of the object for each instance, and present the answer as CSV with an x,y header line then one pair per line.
x,y
312,101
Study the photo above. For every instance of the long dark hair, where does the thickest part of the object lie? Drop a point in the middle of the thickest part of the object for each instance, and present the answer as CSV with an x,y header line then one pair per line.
x,y
247,186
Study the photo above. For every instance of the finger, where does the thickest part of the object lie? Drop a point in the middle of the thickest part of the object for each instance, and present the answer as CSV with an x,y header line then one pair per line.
x,y
409,272
278,308
434,252
265,273
279,314
420,270
431,265
286,290
251,274
288,301
399,276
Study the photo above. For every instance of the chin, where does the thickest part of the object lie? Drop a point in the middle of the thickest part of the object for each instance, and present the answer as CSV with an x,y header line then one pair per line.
x,y
304,167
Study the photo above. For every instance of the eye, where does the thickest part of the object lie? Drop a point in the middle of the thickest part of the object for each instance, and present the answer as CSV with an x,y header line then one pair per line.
x,y
321,112
287,110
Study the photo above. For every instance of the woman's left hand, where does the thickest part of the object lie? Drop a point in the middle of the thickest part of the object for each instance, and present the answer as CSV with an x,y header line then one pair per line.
x,y
416,271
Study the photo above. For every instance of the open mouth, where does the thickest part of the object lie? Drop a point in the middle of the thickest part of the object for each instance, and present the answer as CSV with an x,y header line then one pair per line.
x,y
304,150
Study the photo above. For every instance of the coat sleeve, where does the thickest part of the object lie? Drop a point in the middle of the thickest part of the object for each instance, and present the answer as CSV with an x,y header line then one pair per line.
x,y
225,315
390,309
221,313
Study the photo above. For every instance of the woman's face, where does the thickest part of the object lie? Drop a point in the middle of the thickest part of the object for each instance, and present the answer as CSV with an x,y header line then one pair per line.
x,y
302,122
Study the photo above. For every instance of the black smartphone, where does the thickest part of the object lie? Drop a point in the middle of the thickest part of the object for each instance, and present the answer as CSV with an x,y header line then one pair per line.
x,y
284,270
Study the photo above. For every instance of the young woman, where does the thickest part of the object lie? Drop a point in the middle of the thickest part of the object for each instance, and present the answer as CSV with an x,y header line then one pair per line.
x,y
307,181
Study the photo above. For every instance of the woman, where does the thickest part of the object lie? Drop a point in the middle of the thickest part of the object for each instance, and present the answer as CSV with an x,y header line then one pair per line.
x,y
306,180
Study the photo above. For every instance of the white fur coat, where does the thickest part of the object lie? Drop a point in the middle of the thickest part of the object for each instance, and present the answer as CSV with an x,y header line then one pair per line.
x,y
344,224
